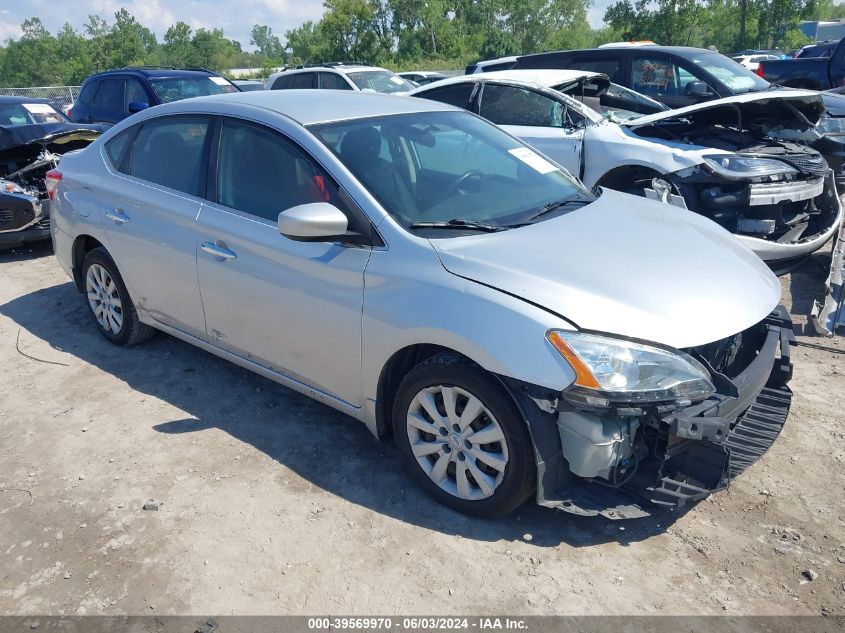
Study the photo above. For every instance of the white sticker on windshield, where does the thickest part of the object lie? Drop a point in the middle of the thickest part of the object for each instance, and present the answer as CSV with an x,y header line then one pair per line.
x,y
397,80
220,81
533,160
39,108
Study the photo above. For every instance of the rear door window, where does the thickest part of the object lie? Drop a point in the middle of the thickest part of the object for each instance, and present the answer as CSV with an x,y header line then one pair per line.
x,y
302,80
510,105
332,81
110,94
169,152
281,83
456,94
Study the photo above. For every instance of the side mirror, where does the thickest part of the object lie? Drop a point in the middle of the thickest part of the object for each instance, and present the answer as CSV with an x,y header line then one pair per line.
x,y
697,89
316,222
137,106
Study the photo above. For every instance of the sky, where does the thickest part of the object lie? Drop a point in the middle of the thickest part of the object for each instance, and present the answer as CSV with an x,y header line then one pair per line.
x,y
235,17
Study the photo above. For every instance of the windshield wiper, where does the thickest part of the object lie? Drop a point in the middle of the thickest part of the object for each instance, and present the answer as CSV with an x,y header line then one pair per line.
x,y
457,223
558,204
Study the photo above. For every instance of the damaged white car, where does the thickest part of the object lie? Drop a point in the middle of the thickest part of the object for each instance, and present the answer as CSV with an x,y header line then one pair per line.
x,y
739,161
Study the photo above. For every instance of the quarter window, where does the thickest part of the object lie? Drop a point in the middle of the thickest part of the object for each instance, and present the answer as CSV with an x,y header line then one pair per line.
x,y
169,152
261,173
281,83
116,147
507,105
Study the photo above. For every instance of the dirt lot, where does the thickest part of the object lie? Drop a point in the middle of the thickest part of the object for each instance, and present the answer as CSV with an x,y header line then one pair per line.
x,y
274,504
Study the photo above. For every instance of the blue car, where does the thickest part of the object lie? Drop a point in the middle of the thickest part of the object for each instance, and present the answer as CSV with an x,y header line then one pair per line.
x,y
113,95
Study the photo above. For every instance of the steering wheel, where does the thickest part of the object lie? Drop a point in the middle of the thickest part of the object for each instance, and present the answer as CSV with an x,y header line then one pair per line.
x,y
456,186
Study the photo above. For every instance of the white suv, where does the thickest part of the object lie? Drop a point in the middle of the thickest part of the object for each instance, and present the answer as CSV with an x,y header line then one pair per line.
x,y
339,76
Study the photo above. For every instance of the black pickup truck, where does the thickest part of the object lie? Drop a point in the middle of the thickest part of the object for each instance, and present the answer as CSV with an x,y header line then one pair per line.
x,y
814,73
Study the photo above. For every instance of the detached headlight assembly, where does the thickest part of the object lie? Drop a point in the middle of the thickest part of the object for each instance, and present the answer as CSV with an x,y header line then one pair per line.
x,y
735,166
611,371
831,126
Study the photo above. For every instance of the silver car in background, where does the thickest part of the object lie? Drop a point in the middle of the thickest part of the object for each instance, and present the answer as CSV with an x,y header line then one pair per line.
x,y
419,269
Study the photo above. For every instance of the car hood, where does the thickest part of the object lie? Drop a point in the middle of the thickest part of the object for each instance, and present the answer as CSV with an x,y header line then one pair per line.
x,y
771,110
628,266
48,133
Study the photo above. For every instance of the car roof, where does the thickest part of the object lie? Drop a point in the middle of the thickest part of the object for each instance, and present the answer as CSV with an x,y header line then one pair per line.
x,y
339,68
329,105
676,50
10,99
543,77
157,72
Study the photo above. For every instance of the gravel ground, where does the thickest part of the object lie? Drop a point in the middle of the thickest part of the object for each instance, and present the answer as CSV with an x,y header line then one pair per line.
x,y
274,504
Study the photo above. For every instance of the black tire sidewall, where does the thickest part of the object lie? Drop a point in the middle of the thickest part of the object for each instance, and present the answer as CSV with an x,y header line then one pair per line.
x,y
101,257
519,479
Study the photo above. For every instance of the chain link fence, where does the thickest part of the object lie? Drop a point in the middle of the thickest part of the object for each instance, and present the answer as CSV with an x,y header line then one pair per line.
x,y
59,96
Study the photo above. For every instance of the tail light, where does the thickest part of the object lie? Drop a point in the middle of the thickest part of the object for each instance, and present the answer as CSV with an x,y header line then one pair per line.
x,y
52,180
759,70
70,113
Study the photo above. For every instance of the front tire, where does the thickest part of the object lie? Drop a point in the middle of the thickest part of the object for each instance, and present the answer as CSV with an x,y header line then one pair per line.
x,y
109,302
462,437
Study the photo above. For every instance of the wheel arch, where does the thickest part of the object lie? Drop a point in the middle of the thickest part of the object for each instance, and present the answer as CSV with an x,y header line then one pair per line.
x,y
82,245
625,174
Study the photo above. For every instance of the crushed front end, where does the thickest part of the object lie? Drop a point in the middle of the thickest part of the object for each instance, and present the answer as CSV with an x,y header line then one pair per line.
x,y
622,461
27,153
782,216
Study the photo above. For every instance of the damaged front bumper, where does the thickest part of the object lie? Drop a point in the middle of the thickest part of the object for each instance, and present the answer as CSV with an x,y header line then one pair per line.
x,y
625,462
828,316
783,221
23,218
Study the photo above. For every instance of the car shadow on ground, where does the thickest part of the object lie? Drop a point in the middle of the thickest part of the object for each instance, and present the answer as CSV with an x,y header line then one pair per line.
x,y
328,449
32,250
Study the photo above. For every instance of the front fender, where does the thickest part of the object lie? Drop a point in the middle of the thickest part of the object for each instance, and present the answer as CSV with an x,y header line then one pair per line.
x,y
503,334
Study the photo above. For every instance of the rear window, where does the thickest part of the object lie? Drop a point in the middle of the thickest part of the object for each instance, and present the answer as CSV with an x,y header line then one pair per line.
x,y
86,95
169,89
28,114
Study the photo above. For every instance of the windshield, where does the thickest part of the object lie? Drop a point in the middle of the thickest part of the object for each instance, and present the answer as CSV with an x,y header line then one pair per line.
x,y
379,81
445,166
736,77
169,89
29,114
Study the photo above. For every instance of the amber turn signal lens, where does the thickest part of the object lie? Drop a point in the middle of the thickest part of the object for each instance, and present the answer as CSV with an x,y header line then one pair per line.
x,y
583,376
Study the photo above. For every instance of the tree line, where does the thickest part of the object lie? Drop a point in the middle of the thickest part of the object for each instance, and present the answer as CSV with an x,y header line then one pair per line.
x,y
404,34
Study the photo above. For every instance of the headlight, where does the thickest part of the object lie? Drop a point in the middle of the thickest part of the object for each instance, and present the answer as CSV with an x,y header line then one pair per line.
x,y
11,187
735,166
614,371
831,126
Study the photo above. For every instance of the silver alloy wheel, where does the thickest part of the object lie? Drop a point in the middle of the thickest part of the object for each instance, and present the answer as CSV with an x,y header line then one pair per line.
x,y
457,441
104,298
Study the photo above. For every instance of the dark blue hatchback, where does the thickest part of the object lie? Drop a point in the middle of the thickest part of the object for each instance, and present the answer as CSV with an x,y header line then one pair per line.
x,y
111,96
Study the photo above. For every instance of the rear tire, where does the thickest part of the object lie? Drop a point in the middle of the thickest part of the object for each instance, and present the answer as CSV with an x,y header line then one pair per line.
x,y
462,437
108,301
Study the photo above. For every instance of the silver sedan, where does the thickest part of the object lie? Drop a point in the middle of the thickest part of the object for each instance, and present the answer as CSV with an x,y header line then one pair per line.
x,y
417,268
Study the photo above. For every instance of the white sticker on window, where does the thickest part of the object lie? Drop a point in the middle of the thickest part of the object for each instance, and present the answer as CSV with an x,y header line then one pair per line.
x,y
397,80
39,108
220,81
533,160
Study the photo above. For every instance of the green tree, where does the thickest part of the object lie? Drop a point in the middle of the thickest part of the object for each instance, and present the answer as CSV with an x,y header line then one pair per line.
x,y
269,46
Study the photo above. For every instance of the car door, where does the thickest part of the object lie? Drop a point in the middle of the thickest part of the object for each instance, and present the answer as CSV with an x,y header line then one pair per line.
x,y
293,307
541,121
149,213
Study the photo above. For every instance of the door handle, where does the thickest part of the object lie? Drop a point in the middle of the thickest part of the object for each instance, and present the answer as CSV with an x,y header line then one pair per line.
x,y
218,251
117,216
